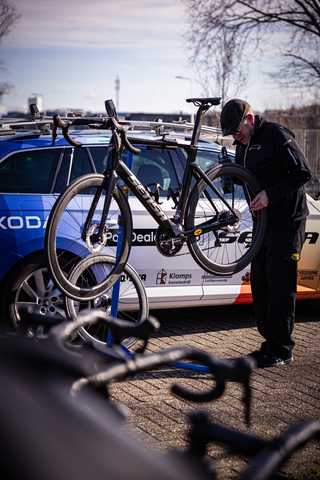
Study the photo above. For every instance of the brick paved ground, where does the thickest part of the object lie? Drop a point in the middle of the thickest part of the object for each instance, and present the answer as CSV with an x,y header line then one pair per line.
x,y
282,396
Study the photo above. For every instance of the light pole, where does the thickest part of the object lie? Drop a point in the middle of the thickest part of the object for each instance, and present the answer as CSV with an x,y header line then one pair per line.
x,y
44,102
191,87
117,87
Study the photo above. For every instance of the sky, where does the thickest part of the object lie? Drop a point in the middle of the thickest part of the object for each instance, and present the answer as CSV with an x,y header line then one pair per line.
x,y
71,52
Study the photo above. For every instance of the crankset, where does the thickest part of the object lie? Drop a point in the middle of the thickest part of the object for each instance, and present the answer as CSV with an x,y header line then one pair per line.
x,y
167,246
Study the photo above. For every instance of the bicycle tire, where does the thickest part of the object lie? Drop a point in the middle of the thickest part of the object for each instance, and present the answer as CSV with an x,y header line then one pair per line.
x,y
132,305
231,248
64,227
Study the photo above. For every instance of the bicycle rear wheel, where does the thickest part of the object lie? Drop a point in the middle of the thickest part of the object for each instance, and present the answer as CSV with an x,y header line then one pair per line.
x,y
63,237
230,248
132,304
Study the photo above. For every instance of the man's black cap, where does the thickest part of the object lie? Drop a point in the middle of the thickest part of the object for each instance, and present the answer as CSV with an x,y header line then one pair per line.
x,y
232,115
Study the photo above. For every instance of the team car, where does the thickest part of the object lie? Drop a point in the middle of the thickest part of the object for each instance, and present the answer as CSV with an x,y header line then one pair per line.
x,y
33,173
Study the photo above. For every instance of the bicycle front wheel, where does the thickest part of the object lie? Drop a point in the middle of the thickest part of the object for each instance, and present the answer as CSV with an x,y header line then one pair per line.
x,y
132,300
64,234
231,247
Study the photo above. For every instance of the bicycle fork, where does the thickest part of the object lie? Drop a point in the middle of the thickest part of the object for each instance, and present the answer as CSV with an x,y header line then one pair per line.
x,y
109,185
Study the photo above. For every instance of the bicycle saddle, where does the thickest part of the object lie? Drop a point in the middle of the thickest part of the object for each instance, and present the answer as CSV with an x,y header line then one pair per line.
x,y
205,101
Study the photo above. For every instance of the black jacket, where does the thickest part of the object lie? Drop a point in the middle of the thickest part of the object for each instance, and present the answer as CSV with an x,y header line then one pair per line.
x,y
279,164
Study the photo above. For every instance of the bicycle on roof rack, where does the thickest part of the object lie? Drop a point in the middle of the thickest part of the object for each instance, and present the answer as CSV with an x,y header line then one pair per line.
x,y
212,217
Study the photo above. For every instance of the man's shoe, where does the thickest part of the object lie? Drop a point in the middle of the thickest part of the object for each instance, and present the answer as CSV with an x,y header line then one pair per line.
x,y
272,361
256,354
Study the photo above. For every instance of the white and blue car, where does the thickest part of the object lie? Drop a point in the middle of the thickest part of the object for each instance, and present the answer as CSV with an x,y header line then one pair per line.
x,y
32,175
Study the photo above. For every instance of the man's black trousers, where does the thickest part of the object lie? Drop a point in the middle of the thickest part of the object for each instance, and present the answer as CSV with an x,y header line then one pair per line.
x,y
274,287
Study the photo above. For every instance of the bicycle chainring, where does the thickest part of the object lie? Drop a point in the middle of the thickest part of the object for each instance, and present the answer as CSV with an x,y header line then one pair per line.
x,y
165,244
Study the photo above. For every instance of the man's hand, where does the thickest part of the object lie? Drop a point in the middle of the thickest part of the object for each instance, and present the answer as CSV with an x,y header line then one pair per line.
x,y
260,201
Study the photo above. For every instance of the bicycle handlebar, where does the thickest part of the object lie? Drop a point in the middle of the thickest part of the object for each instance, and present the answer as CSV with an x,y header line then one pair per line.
x,y
203,431
61,331
103,123
119,328
267,456
221,370
278,451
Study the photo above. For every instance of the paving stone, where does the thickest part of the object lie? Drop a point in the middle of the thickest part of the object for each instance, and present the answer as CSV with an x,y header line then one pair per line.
x,y
282,396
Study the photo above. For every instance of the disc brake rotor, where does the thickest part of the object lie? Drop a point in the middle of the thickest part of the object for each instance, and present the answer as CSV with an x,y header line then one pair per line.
x,y
92,233
234,227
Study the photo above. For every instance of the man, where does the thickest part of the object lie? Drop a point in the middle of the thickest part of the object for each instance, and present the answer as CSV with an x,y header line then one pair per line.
x,y
271,153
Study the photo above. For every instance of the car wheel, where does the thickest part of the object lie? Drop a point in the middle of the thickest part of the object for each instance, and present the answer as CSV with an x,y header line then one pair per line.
x,y
30,287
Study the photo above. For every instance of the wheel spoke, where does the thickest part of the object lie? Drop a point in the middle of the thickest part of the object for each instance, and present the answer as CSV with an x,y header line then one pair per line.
x,y
38,276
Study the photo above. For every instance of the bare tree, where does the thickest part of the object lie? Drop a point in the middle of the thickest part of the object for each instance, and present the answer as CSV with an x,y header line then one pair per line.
x,y
219,66
292,25
8,18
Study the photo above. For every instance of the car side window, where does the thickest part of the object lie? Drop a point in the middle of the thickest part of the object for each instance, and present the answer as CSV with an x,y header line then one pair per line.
x,y
154,166
81,164
29,171
99,157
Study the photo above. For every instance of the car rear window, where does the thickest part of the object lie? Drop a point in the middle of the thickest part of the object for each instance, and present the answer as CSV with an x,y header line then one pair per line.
x,y
29,171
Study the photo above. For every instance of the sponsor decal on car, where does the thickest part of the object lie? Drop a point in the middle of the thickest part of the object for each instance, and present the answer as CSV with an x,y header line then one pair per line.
x,y
213,279
17,223
161,277
173,278
125,278
308,274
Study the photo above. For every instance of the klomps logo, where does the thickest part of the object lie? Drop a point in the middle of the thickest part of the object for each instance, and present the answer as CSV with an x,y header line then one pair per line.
x,y
173,278
180,278
161,277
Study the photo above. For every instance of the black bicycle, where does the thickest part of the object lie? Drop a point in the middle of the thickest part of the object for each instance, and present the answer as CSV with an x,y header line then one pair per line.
x,y
212,217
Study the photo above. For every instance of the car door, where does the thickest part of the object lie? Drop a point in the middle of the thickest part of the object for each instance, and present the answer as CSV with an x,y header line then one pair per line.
x,y
26,179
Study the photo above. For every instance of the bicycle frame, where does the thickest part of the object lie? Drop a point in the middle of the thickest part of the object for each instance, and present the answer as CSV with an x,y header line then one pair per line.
x,y
115,166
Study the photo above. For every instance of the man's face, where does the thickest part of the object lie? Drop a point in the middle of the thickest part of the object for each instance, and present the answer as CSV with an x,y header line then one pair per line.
x,y
245,130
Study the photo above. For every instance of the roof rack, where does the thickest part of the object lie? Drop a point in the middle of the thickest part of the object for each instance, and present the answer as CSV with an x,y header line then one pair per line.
x,y
38,124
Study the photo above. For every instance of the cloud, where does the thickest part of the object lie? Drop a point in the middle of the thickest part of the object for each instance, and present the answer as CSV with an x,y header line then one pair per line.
x,y
97,24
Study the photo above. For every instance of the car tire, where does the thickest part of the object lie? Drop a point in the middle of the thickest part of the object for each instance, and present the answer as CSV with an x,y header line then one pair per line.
x,y
29,287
